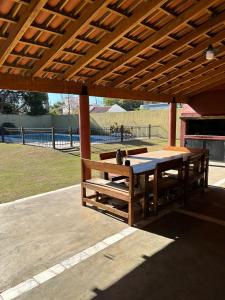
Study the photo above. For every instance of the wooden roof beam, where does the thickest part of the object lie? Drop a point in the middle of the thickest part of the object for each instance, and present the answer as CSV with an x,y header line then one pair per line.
x,y
139,14
173,63
36,84
217,82
73,30
8,19
185,68
157,36
27,16
184,89
178,85
170,49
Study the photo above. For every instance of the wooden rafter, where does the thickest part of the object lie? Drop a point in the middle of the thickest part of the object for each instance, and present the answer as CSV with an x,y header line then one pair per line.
x,y
216,83
178,86
125,49
157,36
70,87
27,15
186,87
140,13
73,30
173,63
185,56
171,48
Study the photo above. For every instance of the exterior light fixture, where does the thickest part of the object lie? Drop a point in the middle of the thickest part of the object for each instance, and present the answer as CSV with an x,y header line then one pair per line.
x,y
210,53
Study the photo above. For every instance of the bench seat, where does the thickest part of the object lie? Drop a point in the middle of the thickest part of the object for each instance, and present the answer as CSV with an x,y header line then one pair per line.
x,y
110,188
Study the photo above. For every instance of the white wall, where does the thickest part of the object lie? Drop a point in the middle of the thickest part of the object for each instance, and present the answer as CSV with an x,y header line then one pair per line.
x,y
27,121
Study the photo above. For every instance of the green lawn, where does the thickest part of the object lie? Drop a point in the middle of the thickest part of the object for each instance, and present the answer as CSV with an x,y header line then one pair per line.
x,y
28,170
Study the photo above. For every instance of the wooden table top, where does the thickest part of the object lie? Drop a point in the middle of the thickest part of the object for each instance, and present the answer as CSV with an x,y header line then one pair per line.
x,y
146,162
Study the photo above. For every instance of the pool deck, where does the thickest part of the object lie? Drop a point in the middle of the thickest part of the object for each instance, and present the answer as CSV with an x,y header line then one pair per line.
x,y
53,248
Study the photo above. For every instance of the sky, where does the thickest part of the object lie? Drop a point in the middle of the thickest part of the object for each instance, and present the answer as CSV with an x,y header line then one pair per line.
x,y
53,98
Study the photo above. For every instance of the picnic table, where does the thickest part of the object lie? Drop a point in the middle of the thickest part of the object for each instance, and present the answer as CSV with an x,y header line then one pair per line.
x,y
146,162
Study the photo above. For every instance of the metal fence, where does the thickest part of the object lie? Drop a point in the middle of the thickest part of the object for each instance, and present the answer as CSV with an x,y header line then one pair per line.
x,y
62,139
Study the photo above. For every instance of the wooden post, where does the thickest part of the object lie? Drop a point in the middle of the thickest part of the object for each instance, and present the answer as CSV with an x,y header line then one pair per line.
x,y
84,127
149,131
172,123
22,135
53,137
71,136
121,133
182,132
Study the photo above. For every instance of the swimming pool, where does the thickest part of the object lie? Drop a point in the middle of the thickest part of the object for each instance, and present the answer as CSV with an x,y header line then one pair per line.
x,y
61,139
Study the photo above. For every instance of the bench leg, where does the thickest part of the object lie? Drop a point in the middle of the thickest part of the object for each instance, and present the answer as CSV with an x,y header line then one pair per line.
x,y
83,195
155,204
130,213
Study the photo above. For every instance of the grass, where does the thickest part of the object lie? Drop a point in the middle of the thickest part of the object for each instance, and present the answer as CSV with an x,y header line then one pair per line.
x,y
28,170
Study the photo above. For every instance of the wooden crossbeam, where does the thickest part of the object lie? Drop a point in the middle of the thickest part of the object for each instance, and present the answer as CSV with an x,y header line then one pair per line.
x,y
185,88
185,68
157,36
73,30
36,84
171,64
8,19
139,14
27,16
178,86
172,48
217,82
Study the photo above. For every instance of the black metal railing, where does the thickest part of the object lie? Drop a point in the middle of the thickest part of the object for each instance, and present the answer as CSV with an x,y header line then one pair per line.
x,y
61,138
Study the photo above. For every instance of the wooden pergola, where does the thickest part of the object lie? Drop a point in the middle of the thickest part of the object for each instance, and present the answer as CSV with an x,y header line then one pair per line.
x,y
152,50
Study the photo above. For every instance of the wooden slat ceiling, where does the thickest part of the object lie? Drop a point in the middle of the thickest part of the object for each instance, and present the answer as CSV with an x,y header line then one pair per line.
x,y
142,45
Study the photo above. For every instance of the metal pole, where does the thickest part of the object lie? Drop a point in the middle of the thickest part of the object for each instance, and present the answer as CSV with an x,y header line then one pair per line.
x,y
149,131
53,137
22,135
71,136
2,134
121,133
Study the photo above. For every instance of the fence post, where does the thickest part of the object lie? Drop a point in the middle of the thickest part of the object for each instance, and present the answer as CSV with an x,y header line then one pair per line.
x,y
121,133
2,134
149,131
22,135
53,137
71,136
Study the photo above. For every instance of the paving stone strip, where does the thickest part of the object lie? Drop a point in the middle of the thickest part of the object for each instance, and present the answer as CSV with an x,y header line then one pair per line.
x,y
57,269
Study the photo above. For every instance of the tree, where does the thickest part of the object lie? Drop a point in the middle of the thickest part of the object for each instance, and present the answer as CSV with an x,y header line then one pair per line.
x,y
126,104
56,109
36,103
70,104
15,102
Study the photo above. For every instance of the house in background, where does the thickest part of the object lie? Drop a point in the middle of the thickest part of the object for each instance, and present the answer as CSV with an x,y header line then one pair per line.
x,y
104,109
154,106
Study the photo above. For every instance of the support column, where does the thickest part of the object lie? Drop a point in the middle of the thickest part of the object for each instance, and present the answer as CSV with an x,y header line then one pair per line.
x,y
182,132
84,124
172,123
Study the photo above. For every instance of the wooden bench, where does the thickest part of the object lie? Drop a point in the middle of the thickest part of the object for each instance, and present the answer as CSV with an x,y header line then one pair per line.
x,y
108,155
104,187
205,152
162,183
195,172
137,151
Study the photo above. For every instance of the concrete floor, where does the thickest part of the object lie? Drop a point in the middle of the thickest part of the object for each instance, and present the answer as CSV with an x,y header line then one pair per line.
x,y
176,257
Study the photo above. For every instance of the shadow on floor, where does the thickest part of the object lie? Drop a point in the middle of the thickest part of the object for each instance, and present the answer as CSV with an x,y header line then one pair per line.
x,y
192,267
212,204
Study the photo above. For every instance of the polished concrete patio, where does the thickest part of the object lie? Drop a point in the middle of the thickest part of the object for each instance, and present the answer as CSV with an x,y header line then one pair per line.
x,y
45,245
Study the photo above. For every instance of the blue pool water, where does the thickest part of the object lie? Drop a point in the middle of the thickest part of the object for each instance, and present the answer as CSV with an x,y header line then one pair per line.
x,y
59,137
